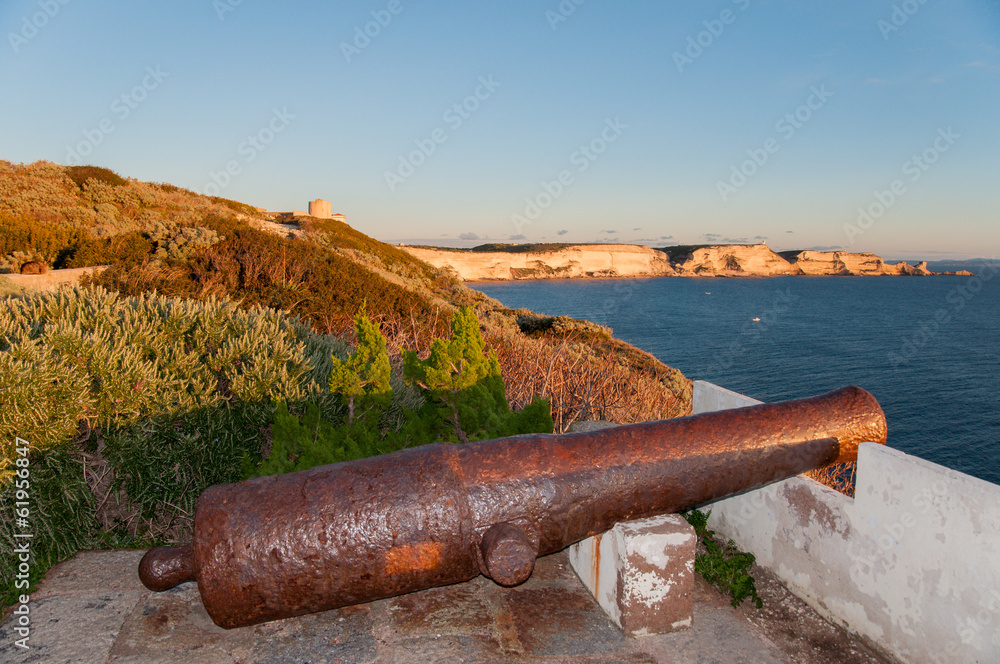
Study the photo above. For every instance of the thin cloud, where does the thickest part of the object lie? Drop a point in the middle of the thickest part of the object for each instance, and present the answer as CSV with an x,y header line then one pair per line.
x,y
979,64
468,236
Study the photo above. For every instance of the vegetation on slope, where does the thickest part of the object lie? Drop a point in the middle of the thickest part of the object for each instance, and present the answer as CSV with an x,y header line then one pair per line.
x,y
535,247
84,215
585,372
462,392
133,406
260,268
680,251
198,247
134,403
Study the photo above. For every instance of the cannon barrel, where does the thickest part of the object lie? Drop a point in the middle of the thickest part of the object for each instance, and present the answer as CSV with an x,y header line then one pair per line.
x,y
286,545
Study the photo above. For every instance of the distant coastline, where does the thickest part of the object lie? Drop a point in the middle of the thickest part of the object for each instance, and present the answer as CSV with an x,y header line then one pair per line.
x,y
505,262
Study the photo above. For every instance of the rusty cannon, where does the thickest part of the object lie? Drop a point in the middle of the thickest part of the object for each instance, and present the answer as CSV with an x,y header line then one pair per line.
x,y
287,545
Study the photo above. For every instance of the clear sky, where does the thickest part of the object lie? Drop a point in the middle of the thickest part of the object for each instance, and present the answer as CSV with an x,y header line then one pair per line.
x,y
462,122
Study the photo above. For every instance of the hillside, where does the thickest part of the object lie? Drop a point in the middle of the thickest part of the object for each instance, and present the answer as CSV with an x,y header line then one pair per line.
x,y
191,358
74,216
157,237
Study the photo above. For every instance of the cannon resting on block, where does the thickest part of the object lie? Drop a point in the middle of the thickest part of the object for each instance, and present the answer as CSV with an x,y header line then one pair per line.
x,y
287,545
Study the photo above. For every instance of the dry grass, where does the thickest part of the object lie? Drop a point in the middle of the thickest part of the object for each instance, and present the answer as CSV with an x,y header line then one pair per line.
x,y
839,477
586,380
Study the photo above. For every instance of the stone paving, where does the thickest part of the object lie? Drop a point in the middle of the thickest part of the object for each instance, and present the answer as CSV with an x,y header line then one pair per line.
x,y
94,610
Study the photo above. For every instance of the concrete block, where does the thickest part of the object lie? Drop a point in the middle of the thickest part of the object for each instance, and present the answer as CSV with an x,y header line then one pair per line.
x,y
53,279
641,573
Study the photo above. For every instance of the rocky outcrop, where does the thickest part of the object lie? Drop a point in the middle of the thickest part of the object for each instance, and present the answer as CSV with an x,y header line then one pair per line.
x,y
846,263
624,260
590,260
734,260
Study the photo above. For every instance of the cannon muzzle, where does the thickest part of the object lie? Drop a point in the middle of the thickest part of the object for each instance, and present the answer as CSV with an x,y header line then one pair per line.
x,y
286,545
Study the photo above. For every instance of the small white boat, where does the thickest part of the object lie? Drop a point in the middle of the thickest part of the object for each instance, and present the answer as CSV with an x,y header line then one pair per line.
x,y
756,320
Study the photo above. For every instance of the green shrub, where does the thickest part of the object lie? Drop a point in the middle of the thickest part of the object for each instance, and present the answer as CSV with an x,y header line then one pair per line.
x,y
179,243
364,376
48,242
80,175
462,388
467,398
167,396
535,325
723,565
128,248
537,247
48,211
236,206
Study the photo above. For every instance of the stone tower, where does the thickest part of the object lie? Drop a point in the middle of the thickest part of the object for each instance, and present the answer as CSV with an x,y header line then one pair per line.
x,y
320,209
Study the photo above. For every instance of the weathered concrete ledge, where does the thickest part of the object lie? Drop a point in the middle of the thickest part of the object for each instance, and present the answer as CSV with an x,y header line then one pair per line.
x,y
912,563
53,279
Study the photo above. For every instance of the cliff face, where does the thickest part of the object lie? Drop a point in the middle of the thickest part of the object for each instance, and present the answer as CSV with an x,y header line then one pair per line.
x,y
622,260
734,260
592,260
864,264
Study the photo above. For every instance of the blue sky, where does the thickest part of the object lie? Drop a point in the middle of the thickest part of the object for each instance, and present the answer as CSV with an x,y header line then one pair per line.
x,y
863,125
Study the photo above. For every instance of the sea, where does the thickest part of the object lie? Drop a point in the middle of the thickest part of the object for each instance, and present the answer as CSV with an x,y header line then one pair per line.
x,y
928,348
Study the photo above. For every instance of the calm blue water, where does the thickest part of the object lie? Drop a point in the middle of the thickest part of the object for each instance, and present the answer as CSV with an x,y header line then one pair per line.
x,y
927,348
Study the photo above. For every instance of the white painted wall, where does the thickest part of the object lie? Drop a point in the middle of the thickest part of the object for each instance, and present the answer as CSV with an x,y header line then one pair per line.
x,y
912,563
